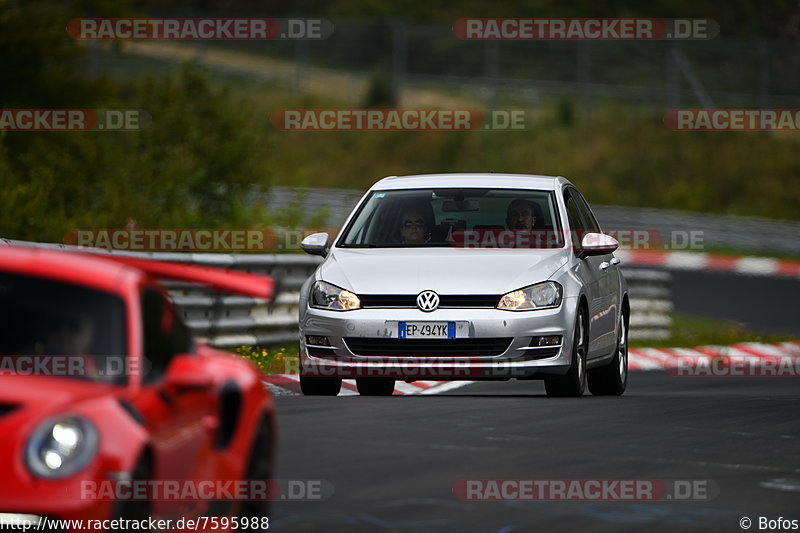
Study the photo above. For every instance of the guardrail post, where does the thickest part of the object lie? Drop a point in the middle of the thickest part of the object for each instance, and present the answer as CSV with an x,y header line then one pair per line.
x,y
651,303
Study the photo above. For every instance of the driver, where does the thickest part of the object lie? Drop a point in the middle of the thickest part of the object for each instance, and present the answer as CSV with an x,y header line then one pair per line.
x,y
520,215
413,228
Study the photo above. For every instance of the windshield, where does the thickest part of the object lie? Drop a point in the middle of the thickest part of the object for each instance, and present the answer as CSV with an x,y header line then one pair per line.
x,y
463,218
54,328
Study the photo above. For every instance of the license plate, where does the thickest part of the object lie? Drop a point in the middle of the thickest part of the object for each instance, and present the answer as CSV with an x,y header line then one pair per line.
x,y
426,330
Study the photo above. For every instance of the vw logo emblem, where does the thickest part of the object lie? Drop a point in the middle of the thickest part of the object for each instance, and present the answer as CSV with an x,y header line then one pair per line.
x,y
428,301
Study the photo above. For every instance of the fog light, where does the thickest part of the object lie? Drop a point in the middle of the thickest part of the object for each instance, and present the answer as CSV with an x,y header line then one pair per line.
x,y
316,340
551,340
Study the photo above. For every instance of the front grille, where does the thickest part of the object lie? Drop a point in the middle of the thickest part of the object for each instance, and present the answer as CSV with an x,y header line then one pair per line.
x,y
487,347
445,300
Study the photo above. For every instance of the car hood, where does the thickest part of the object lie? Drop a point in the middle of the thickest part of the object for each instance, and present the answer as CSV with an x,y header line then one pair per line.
x,y
37,397
444,270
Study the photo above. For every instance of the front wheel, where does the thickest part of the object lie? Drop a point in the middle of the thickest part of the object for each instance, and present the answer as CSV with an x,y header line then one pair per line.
x,y
259,468
573,383
611,379
134,509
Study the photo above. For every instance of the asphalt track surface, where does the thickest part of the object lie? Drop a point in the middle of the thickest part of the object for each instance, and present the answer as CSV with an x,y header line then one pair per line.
x,y
760,304
393,461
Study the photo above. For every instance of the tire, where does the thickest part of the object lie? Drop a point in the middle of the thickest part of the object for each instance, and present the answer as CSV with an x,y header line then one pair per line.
x,y
611,379
259,467
135,509
573,383
375,386
320,386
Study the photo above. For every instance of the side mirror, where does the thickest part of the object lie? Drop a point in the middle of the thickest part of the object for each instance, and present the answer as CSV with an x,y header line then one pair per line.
x,y
316,244
597,244
187,373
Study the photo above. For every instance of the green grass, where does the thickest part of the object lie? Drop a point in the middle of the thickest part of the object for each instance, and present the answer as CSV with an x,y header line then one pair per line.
x,y
273,360
614,159
689,331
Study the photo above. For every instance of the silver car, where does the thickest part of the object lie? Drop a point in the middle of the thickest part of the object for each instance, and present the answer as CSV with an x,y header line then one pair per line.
x,y
466,277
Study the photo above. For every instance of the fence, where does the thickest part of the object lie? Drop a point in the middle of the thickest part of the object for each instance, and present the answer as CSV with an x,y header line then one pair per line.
x,y
230,321
720,72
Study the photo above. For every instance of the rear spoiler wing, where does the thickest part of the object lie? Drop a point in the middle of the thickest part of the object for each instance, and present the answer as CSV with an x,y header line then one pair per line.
x,y
255,285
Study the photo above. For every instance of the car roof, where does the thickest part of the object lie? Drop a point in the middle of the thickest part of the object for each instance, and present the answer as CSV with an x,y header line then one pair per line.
x,y
473,180
69,267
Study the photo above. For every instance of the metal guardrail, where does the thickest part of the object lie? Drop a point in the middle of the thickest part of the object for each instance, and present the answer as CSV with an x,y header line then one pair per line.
x,y
229,321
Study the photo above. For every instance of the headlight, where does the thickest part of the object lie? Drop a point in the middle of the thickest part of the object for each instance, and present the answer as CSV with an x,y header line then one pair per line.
x,y
327,296
540,296
60,447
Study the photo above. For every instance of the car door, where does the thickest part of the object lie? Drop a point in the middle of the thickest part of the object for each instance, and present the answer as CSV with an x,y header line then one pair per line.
x,y
592,270
180,422
603,323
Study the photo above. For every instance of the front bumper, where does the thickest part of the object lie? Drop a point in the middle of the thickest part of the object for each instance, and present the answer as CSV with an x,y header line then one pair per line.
x,y
518,360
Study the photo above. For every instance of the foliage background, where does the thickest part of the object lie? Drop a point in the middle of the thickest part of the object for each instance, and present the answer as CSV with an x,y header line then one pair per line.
x,y
211,143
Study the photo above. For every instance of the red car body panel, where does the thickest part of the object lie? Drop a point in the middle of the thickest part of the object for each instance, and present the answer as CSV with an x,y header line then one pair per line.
x,y
173,427
241,282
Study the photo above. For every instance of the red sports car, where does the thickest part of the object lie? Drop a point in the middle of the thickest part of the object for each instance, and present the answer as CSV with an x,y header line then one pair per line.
x,y
102,385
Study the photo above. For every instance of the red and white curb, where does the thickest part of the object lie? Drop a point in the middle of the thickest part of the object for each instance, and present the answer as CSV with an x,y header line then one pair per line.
x,y
667,358
752,266
289,384
639,359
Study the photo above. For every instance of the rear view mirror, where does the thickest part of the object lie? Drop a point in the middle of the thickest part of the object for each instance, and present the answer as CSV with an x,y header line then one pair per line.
x,y
459,206
316,244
